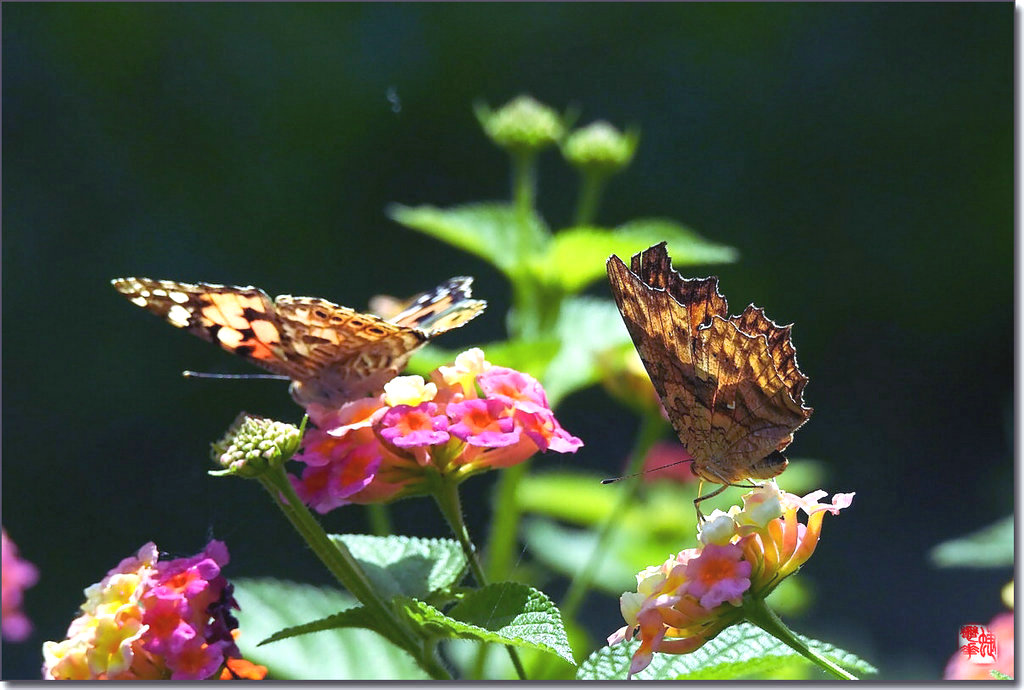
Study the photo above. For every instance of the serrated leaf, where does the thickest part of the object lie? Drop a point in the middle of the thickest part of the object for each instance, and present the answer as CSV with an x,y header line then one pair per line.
x,y
356,617
586,327
738,651
503,613
406,566
270,605
684,245
539,665
990,547
576,257
493,231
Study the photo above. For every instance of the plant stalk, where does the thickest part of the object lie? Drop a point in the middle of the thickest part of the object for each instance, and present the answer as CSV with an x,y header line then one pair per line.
x,y
501,542
760,614
340,562
524,182
651,426
446,494
380,519
589,200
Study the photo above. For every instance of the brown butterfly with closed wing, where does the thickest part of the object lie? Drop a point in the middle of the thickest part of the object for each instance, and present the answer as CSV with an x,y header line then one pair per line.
x,y
730,384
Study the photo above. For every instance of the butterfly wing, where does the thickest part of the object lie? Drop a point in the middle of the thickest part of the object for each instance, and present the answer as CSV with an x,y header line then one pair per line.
x,y
345,354
662,329
242,320
435,311
753,413
731,387
332,353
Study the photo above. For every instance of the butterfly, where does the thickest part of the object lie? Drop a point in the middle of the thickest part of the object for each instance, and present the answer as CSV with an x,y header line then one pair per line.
x,y
730,384
332,354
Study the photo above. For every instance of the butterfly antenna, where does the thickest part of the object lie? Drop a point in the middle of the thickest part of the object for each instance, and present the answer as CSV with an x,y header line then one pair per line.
x,y
637,474
206,375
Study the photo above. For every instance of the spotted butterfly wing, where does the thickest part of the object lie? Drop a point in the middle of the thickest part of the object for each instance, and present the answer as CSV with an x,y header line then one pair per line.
x,y
331,353
730,385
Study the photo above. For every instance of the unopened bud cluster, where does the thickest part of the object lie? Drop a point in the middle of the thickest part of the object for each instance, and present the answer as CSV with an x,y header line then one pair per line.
x,y
600,148
522,125
253,444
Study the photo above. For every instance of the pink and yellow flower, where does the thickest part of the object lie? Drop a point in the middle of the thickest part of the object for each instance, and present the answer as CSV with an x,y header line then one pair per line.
x,y
485,423
18,575
406,426
462,375
408,390
747,552
518,389
150,619
342,456
470,417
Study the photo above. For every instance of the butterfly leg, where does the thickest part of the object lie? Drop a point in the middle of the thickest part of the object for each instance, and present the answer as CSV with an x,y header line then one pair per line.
x,y
696,501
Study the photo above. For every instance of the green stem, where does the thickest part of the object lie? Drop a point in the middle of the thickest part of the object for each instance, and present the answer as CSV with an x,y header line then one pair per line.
x,y
758,612
524,320
340,562
446,494
380,519
591,187
524,182
501,542
651,427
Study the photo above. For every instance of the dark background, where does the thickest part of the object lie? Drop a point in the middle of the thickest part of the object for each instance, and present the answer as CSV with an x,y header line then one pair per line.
x,y
858,156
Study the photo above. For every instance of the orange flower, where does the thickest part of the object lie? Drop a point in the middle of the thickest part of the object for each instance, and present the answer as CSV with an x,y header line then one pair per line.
x,y
745,553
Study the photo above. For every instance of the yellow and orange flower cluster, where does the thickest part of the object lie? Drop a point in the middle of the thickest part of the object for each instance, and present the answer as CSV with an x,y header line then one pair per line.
x,y
694,595
152,620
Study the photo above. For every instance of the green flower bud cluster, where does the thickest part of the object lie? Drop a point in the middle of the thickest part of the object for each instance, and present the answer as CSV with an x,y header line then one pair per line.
x,y
254,444
600,148
522,125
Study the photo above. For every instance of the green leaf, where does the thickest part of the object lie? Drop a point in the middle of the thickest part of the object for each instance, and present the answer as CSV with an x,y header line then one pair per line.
x,y
586,327
739,651
990,547
504,613
577,497
406,566
539,664
270,605
565,550
492,231
576,256
357,617
531,357
685,246
999,675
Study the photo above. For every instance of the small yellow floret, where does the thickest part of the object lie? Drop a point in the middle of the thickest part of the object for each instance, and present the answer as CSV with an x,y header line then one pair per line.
x,y
408,390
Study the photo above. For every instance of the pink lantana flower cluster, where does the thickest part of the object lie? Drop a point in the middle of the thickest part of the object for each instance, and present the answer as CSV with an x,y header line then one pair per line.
x,y
150,620
468,418
694,595
18,575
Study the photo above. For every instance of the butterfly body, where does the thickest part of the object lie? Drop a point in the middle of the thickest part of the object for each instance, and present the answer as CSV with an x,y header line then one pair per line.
x,y
730,384
331,353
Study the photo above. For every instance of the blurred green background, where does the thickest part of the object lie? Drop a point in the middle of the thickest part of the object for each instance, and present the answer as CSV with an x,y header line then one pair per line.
x,y
859,156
